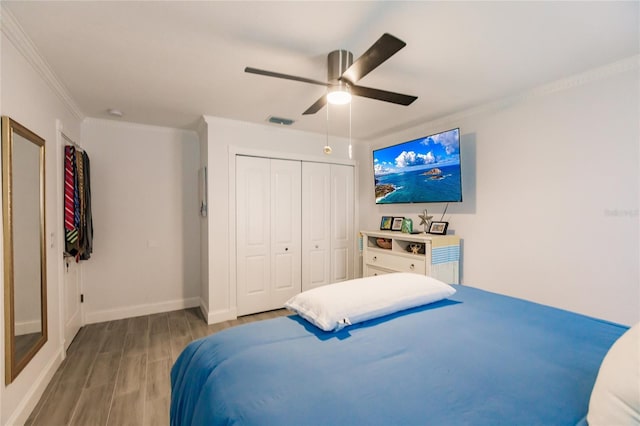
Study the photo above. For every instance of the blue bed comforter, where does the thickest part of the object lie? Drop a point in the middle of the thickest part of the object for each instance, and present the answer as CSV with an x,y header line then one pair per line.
x,y
477,358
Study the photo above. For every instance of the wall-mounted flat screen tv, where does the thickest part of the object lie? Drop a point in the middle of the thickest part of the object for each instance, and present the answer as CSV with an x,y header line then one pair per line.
x,y
424,170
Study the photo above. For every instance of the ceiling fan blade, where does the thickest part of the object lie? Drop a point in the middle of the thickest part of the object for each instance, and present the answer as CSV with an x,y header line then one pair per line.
x,y
285,76
383,95
380,51
317,106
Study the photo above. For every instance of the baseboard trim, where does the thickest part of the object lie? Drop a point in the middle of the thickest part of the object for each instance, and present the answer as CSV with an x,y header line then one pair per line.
x,y
28,327
220,316
204,311
139,310
35,392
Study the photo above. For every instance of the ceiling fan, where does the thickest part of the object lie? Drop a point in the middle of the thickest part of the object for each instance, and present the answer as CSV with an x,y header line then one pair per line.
x,y
343,73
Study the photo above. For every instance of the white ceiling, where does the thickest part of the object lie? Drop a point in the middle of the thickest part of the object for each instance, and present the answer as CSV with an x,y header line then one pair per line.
x,y
169,62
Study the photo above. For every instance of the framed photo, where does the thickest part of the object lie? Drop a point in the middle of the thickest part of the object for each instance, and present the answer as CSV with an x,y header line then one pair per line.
x,y
397,224
407,226
438,228
385,223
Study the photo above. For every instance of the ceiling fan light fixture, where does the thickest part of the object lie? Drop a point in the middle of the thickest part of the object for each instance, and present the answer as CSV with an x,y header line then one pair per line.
x,y
339,95
343,73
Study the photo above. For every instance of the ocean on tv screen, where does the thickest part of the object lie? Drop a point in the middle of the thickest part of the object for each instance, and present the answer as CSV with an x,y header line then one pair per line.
x,y
430,184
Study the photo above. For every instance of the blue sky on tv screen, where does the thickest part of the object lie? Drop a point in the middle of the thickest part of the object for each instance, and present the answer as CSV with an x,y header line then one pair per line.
x,y
442,149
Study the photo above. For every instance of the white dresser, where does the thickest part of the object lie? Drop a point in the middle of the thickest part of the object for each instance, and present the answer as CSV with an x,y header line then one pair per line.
x,y
437,255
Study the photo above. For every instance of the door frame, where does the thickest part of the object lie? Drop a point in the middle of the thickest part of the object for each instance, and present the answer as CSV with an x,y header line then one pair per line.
x,y
59,242
234,151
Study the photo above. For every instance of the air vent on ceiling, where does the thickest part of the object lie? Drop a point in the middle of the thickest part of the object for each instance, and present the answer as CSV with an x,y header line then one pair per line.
x,y
280,120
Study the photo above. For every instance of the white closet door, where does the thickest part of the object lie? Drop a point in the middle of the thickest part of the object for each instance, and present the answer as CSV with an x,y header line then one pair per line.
x,y
342,239
316,225
72,313
253,234
268,235
285,231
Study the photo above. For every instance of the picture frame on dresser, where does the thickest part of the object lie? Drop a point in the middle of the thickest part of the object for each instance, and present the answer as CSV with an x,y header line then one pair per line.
x,y
385,223
397,224
438,228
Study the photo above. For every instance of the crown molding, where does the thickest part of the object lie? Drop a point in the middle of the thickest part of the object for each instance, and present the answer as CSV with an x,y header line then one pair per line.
x,y
16,35
600,73
137,126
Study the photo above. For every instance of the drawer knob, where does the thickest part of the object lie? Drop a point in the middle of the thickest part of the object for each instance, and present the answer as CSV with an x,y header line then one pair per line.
x,y
375,274
412,266
316,246
375,258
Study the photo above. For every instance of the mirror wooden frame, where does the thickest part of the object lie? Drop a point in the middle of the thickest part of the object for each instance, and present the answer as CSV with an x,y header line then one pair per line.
x,y
13,364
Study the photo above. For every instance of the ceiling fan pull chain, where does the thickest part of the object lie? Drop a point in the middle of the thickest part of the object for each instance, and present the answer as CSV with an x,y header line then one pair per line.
x,y
350,146
327,147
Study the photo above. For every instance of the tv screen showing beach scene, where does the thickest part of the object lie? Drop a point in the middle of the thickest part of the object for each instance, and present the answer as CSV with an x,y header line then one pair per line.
x,y
424,170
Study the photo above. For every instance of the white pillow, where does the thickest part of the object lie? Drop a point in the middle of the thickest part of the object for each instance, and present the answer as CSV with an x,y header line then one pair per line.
x,y
615,399
334,306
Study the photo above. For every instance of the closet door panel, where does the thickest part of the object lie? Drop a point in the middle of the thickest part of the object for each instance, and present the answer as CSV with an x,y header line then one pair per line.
x,y
256,268
342,206
253,234
284,278
286,233
316,223
340,263
318,269
72,313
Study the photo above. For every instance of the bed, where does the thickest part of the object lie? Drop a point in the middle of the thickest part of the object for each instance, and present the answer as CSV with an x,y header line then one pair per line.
x,y
474,358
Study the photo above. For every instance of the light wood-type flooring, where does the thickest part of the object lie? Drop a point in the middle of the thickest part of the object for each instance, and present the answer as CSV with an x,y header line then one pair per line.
x,y
117,372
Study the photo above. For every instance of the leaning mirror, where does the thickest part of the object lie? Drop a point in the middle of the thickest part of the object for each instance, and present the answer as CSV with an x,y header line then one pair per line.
x,y
25,280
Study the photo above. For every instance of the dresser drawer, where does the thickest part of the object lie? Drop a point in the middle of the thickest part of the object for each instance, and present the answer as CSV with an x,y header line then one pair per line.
x,y
396,263
372,271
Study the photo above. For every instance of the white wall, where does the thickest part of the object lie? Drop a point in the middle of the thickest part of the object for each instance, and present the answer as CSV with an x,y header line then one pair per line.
x,y
204,222
223,135
144,195
550,189
32,101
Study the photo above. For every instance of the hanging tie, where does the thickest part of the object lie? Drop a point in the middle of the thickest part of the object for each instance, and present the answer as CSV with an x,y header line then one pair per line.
x,y
80,208
87,221
71,213
69,155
